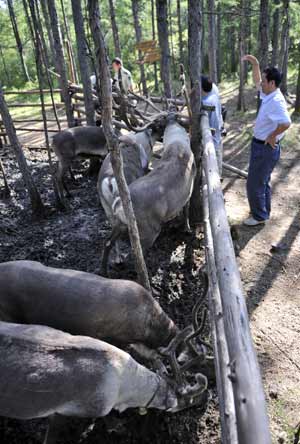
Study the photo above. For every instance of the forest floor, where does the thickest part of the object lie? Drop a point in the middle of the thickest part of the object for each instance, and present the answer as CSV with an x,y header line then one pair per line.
x,y
271,279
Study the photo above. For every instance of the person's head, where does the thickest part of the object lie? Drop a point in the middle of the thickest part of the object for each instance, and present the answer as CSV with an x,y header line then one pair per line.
x,y
116,64
270,80
206,84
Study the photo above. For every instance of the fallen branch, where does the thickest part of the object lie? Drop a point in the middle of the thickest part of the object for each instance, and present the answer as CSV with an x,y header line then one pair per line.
x,y
235,170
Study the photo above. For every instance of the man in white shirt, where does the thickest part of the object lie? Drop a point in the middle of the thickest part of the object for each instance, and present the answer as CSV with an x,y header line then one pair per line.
x,y
211,98
122,76
271,122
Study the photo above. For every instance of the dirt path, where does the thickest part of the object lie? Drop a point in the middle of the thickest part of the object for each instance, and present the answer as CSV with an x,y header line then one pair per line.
x,y
271,277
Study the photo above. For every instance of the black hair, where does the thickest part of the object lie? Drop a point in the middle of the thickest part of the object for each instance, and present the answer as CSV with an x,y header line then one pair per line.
x,y
117,60
206,84
273,74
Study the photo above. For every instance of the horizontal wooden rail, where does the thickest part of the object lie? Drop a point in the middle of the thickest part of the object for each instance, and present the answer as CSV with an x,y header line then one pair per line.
x,y
249,399
32,91
32,105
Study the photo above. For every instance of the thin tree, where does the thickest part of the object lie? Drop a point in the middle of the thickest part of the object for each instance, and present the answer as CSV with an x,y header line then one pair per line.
x,y
180,32
113,142
232,48
195,67
163,37
154,37
4,65
263,42
115,29
297,103
212,47
73,68
219,42
45,13
171,36
18,39
285,43
61,66
83,59
275,33
242,39
136,4
35,198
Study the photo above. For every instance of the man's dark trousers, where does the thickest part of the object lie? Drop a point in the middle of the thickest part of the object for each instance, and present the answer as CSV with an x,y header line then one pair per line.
x,y
263,159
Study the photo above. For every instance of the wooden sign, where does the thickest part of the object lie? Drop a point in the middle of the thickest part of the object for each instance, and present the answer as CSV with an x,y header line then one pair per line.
x,y
152,56
146,45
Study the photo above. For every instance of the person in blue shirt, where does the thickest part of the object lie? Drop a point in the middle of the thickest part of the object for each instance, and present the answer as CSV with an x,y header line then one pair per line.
x,y
211,98
272,121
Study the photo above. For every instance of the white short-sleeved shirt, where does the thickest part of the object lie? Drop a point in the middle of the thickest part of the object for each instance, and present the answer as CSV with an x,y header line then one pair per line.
x,y
272,112
215,117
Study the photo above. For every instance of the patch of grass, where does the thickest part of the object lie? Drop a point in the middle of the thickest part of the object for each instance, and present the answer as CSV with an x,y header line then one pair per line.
x,y
278,411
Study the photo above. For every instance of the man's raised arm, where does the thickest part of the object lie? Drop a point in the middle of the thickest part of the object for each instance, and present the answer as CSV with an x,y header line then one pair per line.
x,y
255,69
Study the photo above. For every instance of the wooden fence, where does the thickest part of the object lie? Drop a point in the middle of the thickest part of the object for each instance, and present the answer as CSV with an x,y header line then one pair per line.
x,y
242,402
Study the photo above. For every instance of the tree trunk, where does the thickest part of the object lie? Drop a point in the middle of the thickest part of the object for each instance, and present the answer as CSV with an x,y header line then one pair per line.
x,y
113,143
36,202
180,33
219,43
232,49
49,31
83,62
275,33
242,39
60,62
115,28
212,50
171,37
71,56
297,104
194,44
138,35
154,37
285,46
263,34
18,39
4,65
163,36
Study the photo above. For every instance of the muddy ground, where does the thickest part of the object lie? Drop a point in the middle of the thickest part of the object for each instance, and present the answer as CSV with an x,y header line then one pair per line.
x,y
269,259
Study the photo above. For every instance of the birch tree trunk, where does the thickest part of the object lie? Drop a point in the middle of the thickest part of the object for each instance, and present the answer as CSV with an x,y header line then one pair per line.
x,y
194,44
163,36
18,39
285,46
212,47
263,34
275,33
114,28
113,143
36,202
83,59
60,62
138,35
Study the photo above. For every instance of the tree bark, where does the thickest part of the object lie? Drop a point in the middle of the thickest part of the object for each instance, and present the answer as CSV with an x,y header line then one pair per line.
x,y
138,35
36,202
45,13
73,66
114,28
285,46
194,44
219,43
61,66
163,36
275,33
297,104
212,50
242,39
18,39
180,32
154,37
83,62
263,34
232,49
113,143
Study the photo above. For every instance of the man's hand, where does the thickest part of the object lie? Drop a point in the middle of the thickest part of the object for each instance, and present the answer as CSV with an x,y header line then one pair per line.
x,y
250,58
271,140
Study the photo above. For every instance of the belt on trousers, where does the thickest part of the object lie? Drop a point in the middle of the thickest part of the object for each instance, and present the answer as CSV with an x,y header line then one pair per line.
x,y
262,142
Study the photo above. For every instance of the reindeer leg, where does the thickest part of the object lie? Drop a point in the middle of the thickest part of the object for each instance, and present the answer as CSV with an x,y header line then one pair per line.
x,y
57,424
186,211
61,170
109,243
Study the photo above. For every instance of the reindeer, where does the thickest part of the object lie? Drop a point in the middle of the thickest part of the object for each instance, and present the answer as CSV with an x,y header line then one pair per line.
x,y
136,151
46,373
159,196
